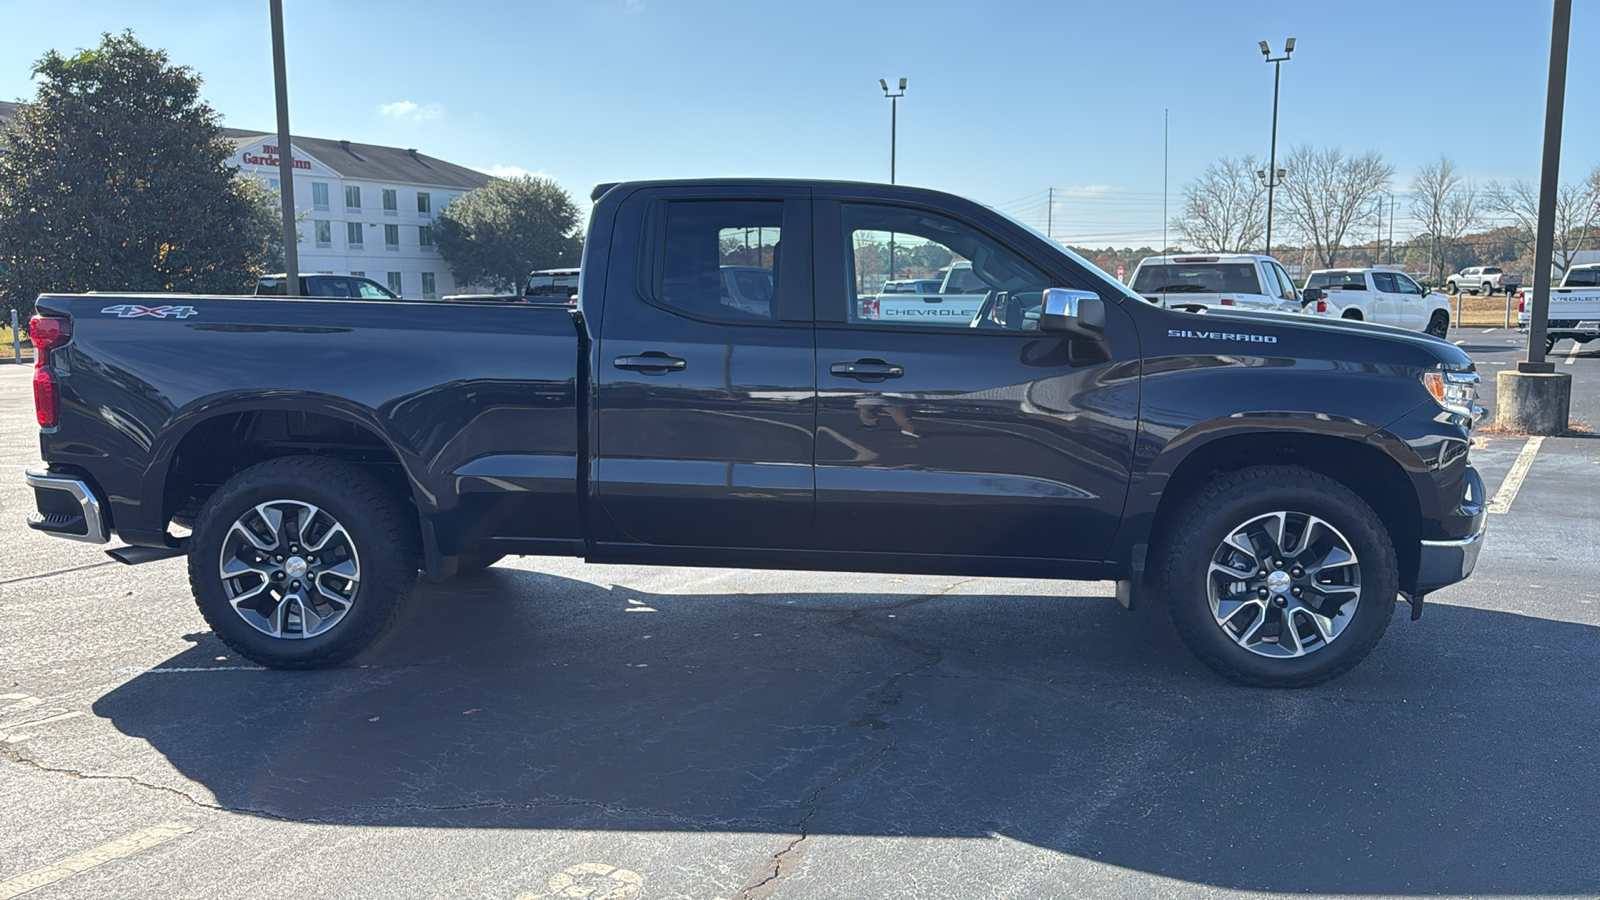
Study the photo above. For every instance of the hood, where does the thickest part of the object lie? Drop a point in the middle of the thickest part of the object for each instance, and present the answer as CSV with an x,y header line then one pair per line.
x,y
1445,353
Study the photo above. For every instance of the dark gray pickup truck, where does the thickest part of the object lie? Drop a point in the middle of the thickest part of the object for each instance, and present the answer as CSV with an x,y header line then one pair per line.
x,y
1276,481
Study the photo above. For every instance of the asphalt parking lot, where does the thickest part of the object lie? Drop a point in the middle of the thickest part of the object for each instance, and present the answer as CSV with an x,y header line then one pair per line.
x,y
553,729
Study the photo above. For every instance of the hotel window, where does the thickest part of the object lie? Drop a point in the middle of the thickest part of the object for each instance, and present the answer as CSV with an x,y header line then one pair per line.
x,y
273,183
359,274
352,198
319,195
430,288
394,283
391,237
391,202
424,202
353,235
324,231
425,235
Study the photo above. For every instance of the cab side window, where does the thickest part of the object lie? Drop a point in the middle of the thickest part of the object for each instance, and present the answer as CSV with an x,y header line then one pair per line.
x,y
720,259
982,283
1384,283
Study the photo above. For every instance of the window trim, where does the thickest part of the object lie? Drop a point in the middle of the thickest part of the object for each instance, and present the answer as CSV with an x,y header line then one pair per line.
x,y
793,294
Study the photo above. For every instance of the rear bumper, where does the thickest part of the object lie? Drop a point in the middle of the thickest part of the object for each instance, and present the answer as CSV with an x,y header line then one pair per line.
x,y
67,507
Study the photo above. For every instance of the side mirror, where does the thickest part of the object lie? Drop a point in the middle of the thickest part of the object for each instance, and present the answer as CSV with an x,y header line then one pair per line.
x,y
1311,295
1079,314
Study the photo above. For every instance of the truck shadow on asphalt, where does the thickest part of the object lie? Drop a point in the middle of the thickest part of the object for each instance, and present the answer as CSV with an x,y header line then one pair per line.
x,y
1459,759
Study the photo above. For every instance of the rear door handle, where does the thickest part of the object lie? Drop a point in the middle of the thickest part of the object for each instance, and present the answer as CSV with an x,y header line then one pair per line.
x,y
866,370
652,363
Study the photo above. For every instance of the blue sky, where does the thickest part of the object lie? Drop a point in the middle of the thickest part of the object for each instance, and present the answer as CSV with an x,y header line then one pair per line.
x,y
1006,99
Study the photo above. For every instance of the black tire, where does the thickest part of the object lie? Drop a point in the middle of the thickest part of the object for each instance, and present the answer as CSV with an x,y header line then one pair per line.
x,y
1451,289
1184,549
476,562
1488,290
1472,291
1439,325
1549,344
378,531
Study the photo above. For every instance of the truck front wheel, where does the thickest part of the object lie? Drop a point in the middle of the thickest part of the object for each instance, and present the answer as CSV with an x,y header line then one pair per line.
x,y
1277,576
301,562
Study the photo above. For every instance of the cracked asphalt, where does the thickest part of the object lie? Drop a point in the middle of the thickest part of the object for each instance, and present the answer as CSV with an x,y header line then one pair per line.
x,y
554,729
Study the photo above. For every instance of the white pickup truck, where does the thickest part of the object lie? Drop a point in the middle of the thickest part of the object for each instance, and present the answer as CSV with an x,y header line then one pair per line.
x,y
1482,279
1384,296
1198,282
1574,307
957,298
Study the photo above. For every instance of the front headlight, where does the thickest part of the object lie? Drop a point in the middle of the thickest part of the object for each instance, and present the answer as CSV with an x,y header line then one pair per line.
x,y
1456,392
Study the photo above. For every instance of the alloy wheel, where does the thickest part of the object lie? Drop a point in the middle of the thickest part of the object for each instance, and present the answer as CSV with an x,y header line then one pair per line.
x,y
1284,584
289,569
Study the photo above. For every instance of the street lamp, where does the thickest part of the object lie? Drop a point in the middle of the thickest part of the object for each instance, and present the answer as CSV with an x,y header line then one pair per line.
x,y
894,115
1273,175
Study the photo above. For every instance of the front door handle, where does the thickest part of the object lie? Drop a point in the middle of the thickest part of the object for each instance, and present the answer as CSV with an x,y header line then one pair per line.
x,y
653,362
866,370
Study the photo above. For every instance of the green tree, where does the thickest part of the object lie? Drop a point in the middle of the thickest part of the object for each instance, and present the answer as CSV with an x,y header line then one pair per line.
x,y
115,179
497,234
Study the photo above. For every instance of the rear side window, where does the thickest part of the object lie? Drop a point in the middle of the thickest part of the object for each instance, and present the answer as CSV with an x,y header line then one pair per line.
x,y
1582,278
1491,270
1198,278
720,259
328,287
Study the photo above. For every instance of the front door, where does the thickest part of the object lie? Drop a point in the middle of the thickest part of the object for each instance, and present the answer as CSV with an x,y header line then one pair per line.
x,y
1388,303
979,438
705,389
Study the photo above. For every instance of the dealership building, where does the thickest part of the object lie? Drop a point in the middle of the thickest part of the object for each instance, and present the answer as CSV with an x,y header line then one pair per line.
x,y
363,209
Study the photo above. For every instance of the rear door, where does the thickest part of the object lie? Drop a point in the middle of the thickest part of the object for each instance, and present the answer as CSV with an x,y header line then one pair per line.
x,y
705,417
983,439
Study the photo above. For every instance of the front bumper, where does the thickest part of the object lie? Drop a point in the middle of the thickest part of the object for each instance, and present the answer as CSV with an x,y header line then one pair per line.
x,y
1444,563
67,507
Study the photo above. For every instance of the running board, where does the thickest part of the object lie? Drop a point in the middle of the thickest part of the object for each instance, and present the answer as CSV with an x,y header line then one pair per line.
x,y
132,556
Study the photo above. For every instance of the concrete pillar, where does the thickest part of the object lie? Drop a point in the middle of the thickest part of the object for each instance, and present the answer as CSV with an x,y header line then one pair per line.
x,y
1532,402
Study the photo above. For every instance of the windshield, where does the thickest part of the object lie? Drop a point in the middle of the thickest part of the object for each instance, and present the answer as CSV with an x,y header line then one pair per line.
x,y
1197,278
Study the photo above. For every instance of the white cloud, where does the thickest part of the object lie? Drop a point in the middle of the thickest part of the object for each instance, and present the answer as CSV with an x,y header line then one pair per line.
x,y
407,111
499,171
1093,190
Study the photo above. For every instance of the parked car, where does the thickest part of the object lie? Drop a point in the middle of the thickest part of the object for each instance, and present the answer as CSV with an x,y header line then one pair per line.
x,y
1574,307
351,287
1384,296
1482,279
958,296
1197,282
1239,469
748,289
544,286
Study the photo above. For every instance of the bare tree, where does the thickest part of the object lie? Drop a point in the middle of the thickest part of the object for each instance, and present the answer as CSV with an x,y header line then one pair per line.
x,y
1327,194
1577,213
1225,209
1448,206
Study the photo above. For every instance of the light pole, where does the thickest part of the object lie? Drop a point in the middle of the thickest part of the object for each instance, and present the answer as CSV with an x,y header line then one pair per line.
x,y
1273,175
280,79
894,127
894,115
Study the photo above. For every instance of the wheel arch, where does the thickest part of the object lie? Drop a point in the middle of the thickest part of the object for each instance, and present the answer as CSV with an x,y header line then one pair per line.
x,y
203,449
1356,461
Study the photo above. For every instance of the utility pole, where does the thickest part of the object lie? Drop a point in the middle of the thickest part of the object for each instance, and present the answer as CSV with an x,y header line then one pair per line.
x,y
1166,141
894,120
1050,214
1274,175
280,78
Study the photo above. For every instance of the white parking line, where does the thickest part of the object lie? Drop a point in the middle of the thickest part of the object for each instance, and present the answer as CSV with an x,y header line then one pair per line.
x,y
1519,470
1460,342
120,848
1572,354
1490,330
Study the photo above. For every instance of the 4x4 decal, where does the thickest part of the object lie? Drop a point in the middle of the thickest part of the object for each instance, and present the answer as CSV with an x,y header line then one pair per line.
x,y
131,311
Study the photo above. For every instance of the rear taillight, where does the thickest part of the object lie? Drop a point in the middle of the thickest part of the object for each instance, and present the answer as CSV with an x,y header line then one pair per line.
x,y
1522,303
1322,306
1229,301
47,334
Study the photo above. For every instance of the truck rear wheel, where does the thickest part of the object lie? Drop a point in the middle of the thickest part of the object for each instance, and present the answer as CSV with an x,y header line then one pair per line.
x,y
301,562
1439,325
1277,576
